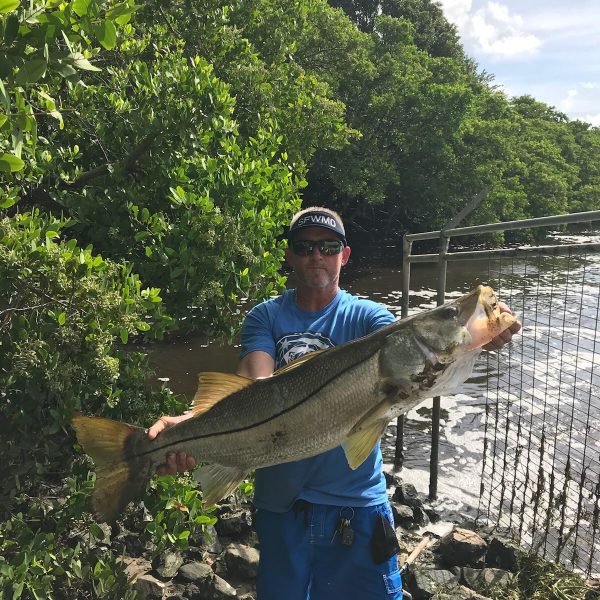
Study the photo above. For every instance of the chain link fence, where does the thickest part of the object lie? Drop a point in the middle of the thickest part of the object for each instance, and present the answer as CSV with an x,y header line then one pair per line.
x,y
541,466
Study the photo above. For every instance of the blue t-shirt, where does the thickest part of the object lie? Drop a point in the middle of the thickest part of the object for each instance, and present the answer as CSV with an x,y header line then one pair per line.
x,y
282,329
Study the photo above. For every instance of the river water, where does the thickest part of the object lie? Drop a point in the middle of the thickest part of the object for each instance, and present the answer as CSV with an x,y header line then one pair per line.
x,y
554,362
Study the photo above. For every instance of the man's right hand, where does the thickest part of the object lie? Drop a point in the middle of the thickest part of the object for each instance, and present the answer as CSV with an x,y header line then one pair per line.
x,y
175,462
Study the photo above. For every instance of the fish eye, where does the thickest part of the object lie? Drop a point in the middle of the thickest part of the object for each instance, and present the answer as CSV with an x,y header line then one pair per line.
x,y
449,312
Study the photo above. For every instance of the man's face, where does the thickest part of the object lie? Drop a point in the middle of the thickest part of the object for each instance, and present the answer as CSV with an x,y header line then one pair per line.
x,y
317,270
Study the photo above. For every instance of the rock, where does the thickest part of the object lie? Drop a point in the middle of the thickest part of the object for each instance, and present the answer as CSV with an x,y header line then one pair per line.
x,y
167,564
421,518
247,597
192,592
127,542
215,588
433,515
406,493
404,516
392,479
484,579
208,541
149,587
242,561
503,554
234,525
221,589
463,547
195,571
425,583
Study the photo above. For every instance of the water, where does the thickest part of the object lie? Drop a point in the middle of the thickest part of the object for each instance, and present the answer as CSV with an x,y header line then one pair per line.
x,y
557,300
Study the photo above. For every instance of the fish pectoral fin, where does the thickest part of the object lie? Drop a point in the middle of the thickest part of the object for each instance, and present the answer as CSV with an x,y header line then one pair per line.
x,y
213,387
299,361
361,440
218,481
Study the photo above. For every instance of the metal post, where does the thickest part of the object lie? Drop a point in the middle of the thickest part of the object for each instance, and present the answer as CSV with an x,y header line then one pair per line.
x,y
436,409
406,250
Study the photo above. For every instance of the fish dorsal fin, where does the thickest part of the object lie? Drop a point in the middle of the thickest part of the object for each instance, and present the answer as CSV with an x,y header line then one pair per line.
x,y
213,387
299,361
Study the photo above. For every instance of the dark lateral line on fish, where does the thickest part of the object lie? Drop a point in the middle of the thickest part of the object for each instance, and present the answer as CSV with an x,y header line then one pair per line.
x,y
258,424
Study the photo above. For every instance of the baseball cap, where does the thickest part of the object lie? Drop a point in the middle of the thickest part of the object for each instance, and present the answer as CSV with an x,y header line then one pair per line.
x,y
318,218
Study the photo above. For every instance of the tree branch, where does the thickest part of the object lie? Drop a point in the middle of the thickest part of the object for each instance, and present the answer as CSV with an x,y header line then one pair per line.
x,y
127,164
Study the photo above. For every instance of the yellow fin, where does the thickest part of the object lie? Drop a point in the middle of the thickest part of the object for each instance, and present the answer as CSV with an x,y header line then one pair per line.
x,y
299,361
213,387
218,481
359,444
119,478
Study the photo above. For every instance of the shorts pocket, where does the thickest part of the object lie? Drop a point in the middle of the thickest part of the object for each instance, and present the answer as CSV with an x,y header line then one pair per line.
x,y
393,582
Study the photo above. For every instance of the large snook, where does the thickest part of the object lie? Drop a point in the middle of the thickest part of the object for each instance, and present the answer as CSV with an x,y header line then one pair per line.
x,y
342,396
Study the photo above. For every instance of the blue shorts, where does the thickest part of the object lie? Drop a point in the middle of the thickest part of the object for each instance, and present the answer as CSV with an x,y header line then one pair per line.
x,y
301,559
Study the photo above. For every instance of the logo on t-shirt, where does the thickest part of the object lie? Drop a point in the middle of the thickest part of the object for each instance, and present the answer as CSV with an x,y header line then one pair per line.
x,y
293,346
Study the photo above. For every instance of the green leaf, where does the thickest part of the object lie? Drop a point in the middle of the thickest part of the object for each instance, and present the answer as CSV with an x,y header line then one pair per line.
x,y
142,326
3,119
124,334
7,202
122,9
106,32
11,29
97,531
9,163
4,97
81,62
81,7
31,71
62,318
18,587
7,6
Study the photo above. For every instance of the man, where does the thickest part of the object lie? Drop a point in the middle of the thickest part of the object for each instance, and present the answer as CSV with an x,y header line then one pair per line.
x,y
325,531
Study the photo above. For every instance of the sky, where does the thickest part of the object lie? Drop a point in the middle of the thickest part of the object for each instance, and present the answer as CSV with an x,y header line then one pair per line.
x,y
548,49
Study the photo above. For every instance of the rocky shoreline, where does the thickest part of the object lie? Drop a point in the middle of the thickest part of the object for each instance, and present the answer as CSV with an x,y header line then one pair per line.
x,y
464,563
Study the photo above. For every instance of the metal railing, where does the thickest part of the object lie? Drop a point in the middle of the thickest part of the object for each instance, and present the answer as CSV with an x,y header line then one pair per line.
x,y
514,483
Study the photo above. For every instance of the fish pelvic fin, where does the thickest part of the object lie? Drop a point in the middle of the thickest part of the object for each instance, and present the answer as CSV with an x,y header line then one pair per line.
x,y
213,387
218,481
360,443
119,478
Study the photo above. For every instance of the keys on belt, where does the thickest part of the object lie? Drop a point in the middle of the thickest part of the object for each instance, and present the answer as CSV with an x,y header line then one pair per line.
x,y
344,528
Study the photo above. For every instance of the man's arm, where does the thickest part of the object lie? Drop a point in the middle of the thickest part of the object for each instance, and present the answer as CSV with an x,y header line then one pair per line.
x,y
256,365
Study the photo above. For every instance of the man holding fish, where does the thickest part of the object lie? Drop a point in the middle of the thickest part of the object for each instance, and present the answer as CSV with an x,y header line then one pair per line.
x,y
324,522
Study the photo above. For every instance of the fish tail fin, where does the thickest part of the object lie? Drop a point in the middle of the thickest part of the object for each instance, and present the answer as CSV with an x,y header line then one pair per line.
x,y
120,475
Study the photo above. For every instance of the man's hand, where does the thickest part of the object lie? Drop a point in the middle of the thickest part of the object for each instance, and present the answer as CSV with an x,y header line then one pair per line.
x,y
507,334
175,462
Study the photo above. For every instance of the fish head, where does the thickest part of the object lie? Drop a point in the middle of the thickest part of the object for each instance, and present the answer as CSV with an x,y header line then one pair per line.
x,y
435,351
461,326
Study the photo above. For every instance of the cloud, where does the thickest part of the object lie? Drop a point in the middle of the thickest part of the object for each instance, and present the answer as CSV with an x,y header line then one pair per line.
x,y
457,11
581,102
499,33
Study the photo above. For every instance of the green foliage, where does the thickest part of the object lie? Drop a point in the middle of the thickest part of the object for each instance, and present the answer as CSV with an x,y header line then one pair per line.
x,y
62,310
179,516
50,550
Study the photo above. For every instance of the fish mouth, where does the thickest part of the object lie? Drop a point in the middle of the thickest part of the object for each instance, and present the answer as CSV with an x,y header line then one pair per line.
x,y
485,320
